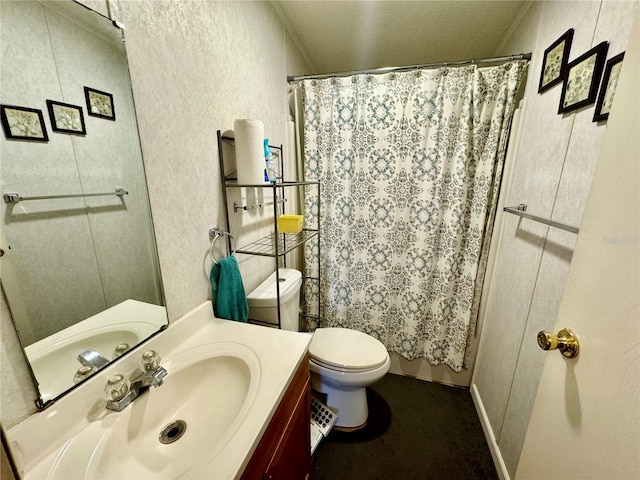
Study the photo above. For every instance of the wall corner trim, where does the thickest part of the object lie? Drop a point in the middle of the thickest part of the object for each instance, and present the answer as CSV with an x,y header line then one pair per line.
x,y
294,36
522,12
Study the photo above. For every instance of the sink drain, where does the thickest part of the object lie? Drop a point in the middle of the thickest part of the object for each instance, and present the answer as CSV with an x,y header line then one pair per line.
x,y
172,432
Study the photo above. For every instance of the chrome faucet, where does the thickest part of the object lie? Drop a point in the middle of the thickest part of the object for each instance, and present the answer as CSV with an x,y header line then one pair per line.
x,y
121,392
91,358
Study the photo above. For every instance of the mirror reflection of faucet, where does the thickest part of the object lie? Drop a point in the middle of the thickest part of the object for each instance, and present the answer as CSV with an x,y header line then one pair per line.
x,y
120,349
91,362
83,372
121,392
91,358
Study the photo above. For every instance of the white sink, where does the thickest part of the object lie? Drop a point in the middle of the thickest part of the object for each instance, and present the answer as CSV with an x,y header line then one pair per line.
x,y
210,388
225,380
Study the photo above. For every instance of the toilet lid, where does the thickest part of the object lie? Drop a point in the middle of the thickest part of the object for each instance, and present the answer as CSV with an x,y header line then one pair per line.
x,y
347,349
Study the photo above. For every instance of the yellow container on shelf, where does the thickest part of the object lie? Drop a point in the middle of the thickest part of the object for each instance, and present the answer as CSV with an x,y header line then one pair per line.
x,y
290,223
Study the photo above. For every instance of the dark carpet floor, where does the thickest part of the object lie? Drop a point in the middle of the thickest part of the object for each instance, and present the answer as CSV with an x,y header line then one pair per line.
x,y
416,430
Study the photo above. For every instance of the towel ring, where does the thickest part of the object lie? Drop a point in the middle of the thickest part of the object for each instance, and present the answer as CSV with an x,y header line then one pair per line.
x,y
219,234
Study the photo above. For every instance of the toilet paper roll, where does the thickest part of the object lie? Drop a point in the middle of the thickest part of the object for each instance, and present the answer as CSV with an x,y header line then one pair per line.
x,y
249,134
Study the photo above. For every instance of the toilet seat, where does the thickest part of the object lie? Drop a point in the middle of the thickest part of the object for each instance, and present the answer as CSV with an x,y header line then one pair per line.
x,y
347,350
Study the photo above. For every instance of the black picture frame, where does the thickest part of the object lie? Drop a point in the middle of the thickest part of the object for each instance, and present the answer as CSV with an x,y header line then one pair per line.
x,y
66,118
583,77
554,61
608,88
22,123
99,103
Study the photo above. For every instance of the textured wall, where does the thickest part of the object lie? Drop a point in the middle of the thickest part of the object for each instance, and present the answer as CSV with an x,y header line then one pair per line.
x,y
18,390
195,67
553,171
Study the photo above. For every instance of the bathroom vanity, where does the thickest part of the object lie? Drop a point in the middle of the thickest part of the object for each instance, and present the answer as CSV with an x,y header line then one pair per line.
x,y
284,450
241,392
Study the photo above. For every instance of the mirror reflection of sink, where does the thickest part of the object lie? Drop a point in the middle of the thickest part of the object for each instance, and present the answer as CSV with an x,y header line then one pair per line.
x,y
56,366
205,396
54,359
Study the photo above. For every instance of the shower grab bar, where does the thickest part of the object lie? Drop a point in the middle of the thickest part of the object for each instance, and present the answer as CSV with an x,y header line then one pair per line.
x,y
16,198
237,207
521,210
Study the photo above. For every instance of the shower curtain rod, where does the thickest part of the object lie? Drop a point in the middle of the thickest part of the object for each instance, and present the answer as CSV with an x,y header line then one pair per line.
x,y
521,56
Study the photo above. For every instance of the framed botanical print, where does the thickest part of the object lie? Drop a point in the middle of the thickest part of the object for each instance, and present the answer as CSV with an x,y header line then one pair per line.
x,y
583,77
21,123
99,104
554,63
608,87
66,118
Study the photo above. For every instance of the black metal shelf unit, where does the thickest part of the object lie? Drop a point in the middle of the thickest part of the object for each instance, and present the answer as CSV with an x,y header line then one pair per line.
x,y
277,244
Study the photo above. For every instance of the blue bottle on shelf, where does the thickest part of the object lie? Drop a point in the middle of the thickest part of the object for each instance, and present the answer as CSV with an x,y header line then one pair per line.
x,y
269,170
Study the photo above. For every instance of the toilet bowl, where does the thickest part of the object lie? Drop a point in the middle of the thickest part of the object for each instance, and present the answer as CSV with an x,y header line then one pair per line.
x,y
343,362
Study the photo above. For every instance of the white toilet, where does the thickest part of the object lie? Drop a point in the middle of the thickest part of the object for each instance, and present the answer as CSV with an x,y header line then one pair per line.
x,y
263,301
343,361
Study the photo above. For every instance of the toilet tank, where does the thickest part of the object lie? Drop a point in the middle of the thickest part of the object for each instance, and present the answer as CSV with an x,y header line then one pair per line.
x,y
263,300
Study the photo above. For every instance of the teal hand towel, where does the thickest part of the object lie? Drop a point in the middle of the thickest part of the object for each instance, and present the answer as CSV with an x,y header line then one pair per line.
x,y
229,297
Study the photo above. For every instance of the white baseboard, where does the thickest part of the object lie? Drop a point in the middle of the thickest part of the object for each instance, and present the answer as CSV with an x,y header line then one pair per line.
x,y
488,433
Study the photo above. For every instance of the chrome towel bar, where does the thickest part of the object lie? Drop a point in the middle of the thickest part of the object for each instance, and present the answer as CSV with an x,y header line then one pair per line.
x,y
15,197
521,210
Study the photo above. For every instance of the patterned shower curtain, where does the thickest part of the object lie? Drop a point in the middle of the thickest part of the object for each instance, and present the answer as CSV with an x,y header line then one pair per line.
x,y
409,166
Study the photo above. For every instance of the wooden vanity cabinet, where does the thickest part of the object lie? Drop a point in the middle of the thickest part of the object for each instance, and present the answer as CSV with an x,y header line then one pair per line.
x,y
284,452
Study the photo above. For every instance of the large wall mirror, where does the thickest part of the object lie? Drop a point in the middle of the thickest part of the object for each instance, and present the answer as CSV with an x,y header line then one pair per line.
x,y
79,270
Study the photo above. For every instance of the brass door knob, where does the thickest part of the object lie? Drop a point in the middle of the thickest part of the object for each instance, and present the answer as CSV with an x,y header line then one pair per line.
x,y
565,341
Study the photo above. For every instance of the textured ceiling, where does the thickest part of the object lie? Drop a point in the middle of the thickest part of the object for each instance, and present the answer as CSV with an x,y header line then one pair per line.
x,y
350,35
